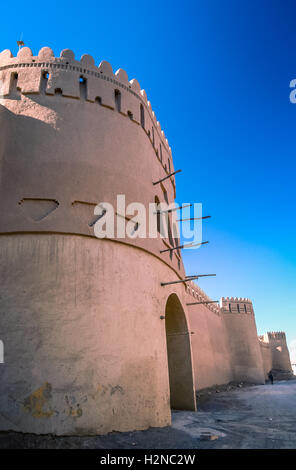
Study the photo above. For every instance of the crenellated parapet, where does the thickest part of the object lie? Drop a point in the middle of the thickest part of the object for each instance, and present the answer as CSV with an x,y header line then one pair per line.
x,y
200,296
279,350
77,79
272,337
276,335
236,305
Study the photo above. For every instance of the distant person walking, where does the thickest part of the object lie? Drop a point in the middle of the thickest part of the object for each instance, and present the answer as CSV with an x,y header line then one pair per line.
x,y
270,376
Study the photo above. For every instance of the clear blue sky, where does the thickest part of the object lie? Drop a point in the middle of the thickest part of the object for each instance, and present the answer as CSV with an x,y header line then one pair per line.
x,y
217,73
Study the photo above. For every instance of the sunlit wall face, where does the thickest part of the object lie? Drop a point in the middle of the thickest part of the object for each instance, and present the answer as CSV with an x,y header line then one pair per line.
x,y
218,74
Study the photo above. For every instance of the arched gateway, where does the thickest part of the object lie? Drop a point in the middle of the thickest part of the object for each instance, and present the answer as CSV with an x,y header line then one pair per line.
x,y
182,394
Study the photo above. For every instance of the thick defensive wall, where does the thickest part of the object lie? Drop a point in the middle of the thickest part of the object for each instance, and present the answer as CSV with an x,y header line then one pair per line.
x,y
85,347
93,341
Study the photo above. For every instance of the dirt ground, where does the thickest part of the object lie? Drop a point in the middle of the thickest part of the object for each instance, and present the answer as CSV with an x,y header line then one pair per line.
x,y
228,417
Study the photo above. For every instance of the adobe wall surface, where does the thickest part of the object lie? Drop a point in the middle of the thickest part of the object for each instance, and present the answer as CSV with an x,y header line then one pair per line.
x,y
266,357
85,350
85,347
73,151
211,352
279,351
246,358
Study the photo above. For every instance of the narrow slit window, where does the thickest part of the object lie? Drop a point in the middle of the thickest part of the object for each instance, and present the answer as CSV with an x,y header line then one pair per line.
x,y
165,195
156,201
44,81
82,85
170,235
142,116
117,96
13,83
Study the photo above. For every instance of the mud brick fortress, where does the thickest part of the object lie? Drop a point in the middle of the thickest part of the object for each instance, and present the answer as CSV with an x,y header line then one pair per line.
x,y
93,340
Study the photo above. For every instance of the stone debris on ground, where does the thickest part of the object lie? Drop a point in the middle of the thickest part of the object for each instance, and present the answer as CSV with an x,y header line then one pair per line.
x,y
208,437
202,394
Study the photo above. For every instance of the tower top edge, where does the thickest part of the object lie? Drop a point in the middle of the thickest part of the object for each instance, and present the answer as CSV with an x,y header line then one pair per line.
x,y
86,61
